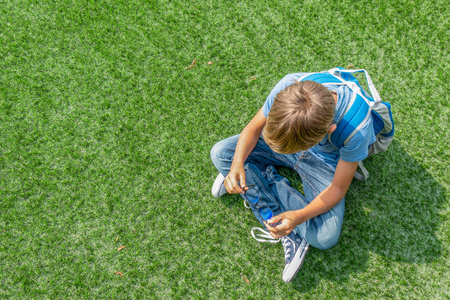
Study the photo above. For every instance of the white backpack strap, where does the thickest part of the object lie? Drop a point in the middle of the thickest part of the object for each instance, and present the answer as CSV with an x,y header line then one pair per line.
x,y
304,76
373,90
365,174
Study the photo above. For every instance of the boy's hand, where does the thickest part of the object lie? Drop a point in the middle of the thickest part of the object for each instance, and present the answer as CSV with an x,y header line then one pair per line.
x,y
289,220
235,180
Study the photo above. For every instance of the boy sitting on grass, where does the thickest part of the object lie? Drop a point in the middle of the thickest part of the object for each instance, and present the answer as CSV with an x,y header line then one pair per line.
x,y
291,129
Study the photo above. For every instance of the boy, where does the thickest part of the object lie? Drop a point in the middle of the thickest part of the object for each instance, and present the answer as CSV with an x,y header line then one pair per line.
x,y
291,129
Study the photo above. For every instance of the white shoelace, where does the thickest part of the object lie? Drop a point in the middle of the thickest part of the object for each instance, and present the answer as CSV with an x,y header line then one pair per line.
x,y
263,236
246,204
286,242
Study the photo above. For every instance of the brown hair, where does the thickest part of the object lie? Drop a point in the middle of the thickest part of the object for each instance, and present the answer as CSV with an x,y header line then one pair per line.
x,y
300,117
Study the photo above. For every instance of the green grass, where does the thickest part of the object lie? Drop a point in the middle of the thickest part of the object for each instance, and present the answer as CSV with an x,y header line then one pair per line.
x,y
106,133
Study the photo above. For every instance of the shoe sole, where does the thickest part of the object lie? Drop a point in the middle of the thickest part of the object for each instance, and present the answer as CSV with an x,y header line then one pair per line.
x,y
294,268
215,191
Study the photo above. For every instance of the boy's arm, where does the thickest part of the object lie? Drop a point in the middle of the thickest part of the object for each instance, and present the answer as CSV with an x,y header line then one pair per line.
x,y
325,201
246,143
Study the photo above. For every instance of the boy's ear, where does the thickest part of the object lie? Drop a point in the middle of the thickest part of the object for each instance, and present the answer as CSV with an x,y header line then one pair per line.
x,y
332,128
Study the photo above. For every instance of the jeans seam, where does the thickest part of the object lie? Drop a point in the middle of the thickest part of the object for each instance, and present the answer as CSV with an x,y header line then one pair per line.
x,y
308,183
278,157
300,159
262,186
289,188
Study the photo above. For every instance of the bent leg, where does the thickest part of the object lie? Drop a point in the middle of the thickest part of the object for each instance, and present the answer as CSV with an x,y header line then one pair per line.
x,y
222,155
260,158
321,231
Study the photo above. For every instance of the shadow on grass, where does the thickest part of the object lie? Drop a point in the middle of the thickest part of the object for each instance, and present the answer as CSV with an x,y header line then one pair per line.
x,y
394,215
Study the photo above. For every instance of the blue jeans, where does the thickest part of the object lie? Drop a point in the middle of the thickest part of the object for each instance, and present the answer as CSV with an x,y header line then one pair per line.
x,y
276,192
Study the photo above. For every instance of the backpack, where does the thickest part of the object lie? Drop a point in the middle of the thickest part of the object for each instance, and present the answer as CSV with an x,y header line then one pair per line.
x,y
362,105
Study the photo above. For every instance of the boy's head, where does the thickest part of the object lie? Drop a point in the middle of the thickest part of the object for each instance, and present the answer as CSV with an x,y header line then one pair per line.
x,y
300,117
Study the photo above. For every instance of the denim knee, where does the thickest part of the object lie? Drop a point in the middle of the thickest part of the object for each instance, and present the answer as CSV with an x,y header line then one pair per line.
x,y
327,242
328,235
222,156
215,153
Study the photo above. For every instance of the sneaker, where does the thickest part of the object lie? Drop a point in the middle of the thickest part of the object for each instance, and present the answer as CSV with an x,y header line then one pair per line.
x,y
218,189
294,254
295,249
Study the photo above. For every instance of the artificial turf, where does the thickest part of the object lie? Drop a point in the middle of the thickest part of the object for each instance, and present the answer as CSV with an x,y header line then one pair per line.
x,y
106,126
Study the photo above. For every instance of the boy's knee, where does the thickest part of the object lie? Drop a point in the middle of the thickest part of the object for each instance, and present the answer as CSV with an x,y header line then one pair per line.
x,y
224,149
328,235
221,155
216,151
326,242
